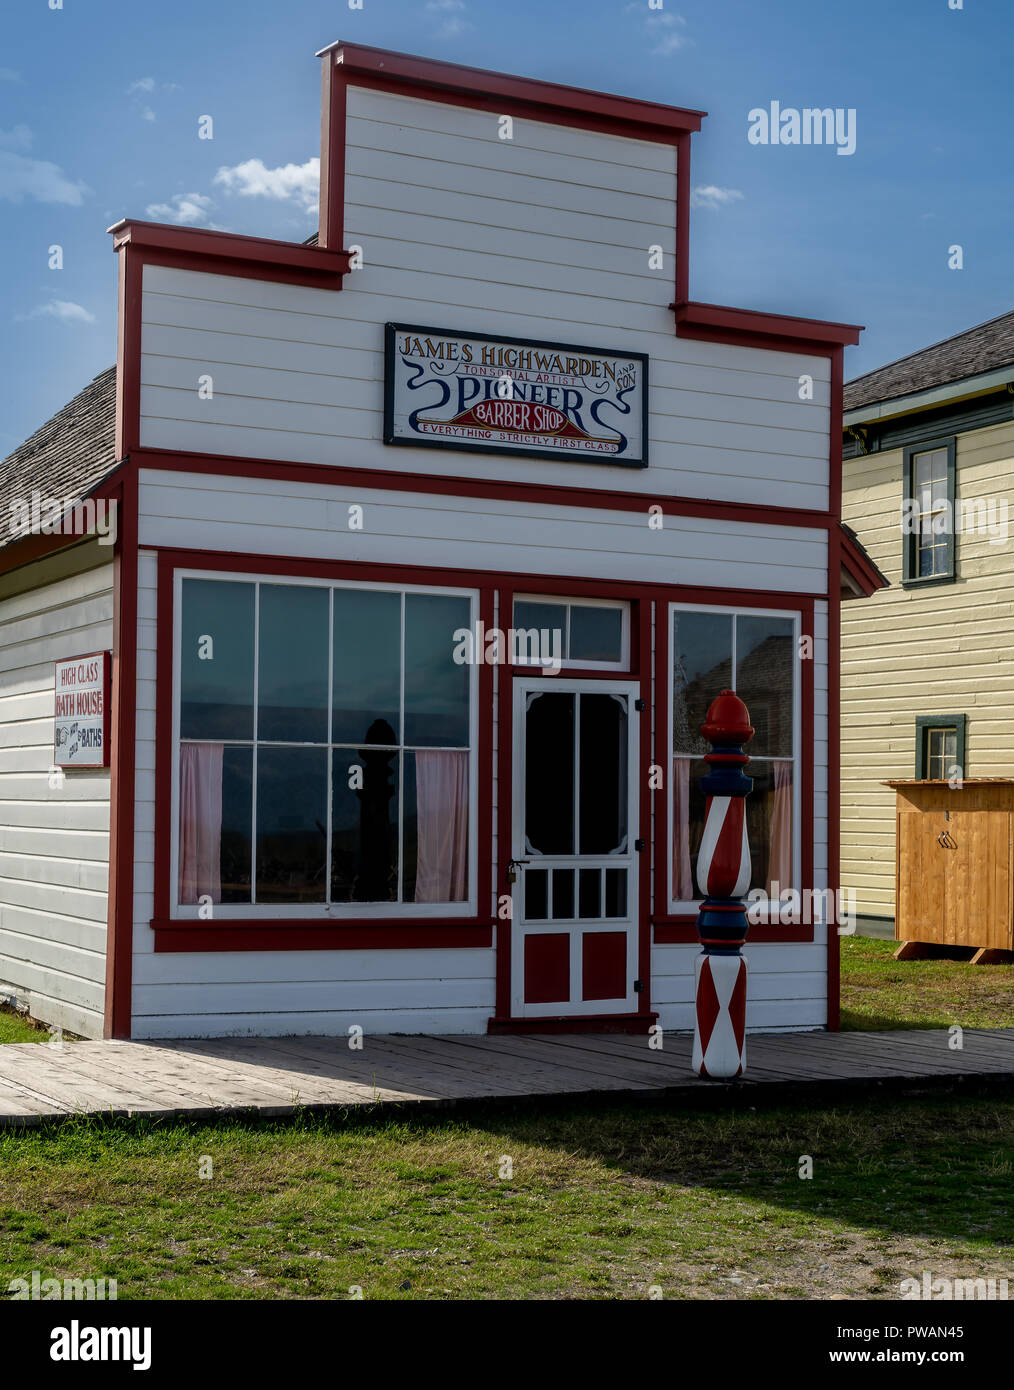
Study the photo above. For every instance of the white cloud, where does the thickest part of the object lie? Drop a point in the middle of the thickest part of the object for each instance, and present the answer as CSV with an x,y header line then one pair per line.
x,y
21,177
297,183
147,114
63,309
19,138
143,84
708,195
665,32
451,12
185,209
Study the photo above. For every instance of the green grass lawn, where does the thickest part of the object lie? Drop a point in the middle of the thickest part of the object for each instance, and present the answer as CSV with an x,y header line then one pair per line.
x,y
15,1029
880,992
605,1201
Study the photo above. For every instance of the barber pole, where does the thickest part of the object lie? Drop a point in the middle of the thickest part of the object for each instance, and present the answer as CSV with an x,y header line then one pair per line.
x,y
723,876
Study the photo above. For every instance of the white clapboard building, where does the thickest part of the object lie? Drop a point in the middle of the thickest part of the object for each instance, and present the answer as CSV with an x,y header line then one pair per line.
x,y
356,629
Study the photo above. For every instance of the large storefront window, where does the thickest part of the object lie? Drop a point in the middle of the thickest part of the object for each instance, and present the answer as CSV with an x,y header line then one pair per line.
x,y
325,749
755,655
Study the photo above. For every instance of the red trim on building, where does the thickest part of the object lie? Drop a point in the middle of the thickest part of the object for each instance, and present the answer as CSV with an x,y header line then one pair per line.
x,y
34,546
128,356
579,1023
442,485
749,328
293,934
289,934
834,562
229,253
122,788
683,219
333,105
856,563
500,92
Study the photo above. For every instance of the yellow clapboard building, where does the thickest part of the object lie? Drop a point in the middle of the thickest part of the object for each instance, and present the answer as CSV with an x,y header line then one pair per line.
x,y
927,680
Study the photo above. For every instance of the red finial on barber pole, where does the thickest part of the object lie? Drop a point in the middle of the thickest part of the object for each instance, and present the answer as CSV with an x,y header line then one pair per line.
x,y
723,876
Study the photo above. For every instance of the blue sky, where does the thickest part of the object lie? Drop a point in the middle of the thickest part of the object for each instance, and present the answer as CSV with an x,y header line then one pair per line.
x,y
100,100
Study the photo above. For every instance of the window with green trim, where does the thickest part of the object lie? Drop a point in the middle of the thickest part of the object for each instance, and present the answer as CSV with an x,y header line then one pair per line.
x,y
928,514
940,746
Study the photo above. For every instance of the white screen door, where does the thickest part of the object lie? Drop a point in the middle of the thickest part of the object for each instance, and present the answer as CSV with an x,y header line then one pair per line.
x,y
574,937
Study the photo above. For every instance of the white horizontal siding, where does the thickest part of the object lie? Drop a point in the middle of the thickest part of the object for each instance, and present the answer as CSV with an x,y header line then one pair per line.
x,y
543,236
54,841
324,1024
786,984
272,517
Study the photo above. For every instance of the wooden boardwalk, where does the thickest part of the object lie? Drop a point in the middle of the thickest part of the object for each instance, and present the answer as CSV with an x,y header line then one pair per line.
x,y
277,1076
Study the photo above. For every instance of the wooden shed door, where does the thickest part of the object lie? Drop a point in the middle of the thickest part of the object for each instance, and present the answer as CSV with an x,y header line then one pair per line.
x,y
955,877
977,880
574,939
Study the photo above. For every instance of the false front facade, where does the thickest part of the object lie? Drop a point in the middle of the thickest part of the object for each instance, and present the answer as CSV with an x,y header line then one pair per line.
x,y
436,540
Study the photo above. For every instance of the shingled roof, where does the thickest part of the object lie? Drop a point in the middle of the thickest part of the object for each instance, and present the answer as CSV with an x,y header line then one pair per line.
x,y
68,456
984,348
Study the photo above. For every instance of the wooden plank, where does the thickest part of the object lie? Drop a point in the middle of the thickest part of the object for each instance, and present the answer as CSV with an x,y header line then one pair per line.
x,y
497,1074
275,1075
378,1070
600,1067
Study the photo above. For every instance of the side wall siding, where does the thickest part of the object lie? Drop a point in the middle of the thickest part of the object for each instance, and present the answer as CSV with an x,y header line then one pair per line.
x,y
54,840
907,652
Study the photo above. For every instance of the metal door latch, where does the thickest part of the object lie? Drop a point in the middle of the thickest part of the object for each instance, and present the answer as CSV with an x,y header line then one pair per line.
x,y
512,869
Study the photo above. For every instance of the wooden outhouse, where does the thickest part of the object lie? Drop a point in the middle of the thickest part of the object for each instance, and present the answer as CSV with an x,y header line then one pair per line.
x,y
955,874
435,538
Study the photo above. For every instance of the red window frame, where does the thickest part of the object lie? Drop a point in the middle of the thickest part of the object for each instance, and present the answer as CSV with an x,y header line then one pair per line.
x,y
496,597
295,934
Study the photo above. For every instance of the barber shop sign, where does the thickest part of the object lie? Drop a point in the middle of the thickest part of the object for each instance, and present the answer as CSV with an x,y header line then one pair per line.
x,y
515,396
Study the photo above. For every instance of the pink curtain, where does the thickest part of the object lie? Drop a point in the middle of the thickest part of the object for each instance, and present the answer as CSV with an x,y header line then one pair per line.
x,y
780,829
441,782
200,821
682,878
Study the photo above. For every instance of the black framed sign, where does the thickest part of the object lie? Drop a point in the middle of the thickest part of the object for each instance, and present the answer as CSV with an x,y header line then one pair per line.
x,y
522,396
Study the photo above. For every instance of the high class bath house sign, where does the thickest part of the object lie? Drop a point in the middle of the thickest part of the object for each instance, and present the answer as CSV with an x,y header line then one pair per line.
x,y
81,723
515,396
